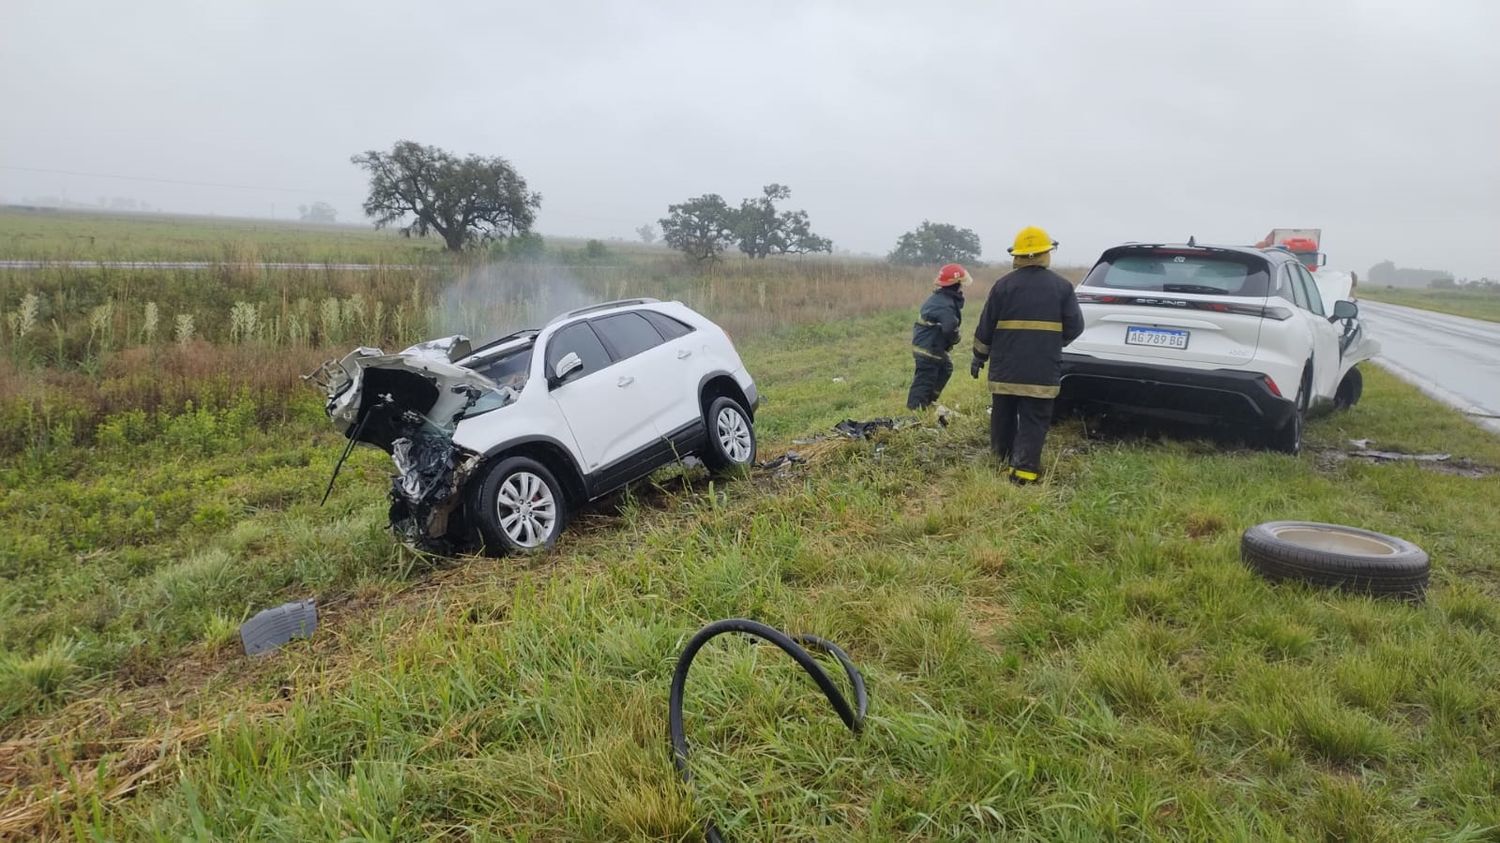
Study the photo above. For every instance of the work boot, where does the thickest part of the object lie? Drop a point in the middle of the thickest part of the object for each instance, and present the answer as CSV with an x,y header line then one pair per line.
x,y
1022,477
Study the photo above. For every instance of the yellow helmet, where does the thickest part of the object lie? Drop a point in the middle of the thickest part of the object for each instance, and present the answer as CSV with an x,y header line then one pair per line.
x,y
1032,241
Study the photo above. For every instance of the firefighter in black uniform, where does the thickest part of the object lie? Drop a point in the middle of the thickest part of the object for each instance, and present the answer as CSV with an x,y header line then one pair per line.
x,y
934,335
1029,316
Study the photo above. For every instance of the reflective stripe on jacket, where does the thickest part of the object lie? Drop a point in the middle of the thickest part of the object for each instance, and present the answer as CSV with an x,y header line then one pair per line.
x,y
1029,316
936,328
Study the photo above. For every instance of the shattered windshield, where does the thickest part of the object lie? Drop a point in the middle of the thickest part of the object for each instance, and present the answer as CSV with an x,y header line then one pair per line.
x,y
509,372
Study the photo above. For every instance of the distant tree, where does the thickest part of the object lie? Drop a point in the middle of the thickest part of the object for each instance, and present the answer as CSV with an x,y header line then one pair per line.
x,y
318,212
763,230
936,243
647,233
1442,284
1383,272
462,200
595,250
701,227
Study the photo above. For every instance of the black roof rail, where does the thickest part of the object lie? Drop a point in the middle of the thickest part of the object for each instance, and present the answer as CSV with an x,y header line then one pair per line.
x,y
604,306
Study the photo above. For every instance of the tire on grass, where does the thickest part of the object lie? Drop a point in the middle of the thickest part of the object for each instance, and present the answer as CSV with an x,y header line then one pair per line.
x,y
731,436
1355,560
518,507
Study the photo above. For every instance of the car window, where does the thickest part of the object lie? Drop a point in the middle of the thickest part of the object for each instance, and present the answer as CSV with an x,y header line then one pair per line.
x,y
669,328
579,339
1166,271
1314,296
1299,295
627,334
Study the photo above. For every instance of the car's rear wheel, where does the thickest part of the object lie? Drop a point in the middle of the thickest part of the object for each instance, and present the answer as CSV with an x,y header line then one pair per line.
x,y
519,507
1288,438
731,436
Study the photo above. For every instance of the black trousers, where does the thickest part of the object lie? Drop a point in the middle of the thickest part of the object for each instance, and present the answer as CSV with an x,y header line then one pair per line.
x,y
927,384
1018,430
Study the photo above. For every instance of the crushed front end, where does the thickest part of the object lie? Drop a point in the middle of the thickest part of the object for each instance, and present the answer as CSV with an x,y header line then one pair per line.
x,y
408,404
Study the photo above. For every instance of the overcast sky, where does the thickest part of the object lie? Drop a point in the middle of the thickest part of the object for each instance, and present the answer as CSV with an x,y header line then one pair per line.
x,y
1378,121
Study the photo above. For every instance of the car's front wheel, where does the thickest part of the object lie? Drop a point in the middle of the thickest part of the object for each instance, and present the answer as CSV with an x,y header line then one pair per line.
x,y
1288,438
519,507
731,436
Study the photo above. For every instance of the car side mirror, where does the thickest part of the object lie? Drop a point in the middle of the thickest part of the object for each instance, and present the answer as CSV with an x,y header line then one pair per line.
x,y
569,364
1343,310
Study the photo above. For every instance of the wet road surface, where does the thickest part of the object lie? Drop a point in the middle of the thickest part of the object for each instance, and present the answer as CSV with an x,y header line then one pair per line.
x,y
1453,359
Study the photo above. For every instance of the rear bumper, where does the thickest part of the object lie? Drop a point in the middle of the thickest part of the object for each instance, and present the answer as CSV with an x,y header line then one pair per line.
x,y
1192,395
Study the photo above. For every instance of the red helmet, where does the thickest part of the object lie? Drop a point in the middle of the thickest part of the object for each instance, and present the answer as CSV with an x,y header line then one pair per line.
x,y
952,274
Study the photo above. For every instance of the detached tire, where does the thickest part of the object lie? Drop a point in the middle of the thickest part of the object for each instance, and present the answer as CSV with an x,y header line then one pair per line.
x,y
731,436
1355,560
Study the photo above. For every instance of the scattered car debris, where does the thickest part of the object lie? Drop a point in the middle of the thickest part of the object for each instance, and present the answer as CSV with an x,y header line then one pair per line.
x,y
783,462
272,628
838,380
1333,555
792,645
863,429
1396,456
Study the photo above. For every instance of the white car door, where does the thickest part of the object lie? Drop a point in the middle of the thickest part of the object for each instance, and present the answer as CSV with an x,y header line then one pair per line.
x,y
631,337
688,357
600,401
1325,336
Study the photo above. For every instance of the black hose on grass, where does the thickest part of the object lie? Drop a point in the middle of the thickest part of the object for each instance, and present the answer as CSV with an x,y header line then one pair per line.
x,y
854,718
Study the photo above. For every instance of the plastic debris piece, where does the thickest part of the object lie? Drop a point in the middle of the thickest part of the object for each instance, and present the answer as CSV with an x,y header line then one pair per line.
x,y
272,628
862,429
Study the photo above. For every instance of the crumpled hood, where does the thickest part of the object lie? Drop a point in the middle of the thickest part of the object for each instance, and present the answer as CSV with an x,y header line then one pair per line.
x,y
372,395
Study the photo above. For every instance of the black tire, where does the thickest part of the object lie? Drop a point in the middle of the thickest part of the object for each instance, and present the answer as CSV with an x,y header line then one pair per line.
x,y
1288,438
1350,389
1331,555
506,528
731,436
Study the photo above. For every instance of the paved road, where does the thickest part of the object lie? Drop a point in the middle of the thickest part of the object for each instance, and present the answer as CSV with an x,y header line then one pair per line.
x,y
1453,359
353,267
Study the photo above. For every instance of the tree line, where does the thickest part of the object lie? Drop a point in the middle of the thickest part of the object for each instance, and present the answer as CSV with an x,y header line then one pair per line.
x,y
474,200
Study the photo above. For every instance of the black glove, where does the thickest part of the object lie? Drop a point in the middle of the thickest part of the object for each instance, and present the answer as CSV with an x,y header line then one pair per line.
x,y
975,368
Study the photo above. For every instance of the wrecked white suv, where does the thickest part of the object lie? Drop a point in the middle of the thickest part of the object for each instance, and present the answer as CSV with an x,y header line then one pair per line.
x,y
495,447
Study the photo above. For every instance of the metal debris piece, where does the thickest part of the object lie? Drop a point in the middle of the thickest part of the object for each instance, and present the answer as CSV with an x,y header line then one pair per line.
x,y
1396,456
272,628
1361,444
838,380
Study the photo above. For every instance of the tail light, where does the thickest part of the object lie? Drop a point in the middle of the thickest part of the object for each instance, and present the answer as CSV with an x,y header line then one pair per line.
x,y
1271,385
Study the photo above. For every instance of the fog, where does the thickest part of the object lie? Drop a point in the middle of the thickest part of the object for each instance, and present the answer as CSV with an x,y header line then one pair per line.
x,y
1376,121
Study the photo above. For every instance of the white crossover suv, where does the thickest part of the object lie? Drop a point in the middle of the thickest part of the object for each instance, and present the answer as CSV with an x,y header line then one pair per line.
x,y
495,447
1226,335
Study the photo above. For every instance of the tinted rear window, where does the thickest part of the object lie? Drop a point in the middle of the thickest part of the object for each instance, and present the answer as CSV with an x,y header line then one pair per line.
x,y
670,328
628,334
1179,273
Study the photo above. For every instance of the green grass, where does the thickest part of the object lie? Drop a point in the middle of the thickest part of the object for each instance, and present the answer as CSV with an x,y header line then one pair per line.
x,y
81,235
1475,304
1083,660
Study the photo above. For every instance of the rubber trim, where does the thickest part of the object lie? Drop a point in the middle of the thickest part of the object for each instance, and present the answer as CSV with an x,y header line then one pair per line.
x,y
854,717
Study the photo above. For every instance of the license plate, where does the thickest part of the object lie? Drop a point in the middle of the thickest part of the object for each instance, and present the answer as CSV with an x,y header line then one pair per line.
x,y
1156,337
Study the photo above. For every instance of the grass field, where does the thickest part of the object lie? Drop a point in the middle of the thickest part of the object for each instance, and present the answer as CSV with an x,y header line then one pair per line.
x,y
1475,304
75,235
1083,660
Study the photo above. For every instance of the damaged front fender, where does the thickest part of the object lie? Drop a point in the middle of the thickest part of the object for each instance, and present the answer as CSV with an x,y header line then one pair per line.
x,y
408,404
